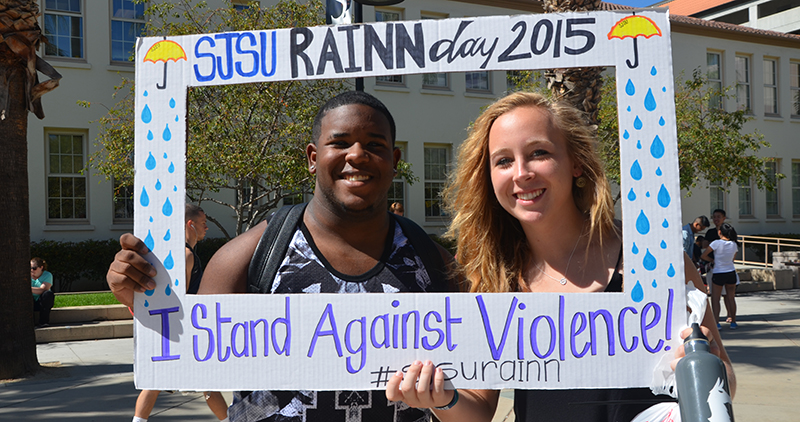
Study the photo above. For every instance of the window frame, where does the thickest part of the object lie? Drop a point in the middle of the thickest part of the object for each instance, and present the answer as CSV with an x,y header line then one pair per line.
x,y
74,175
795,188
745,188
717,195
51,37
439,76
487,90
134,20
715,83
772,198
127,201
399,181
390,80
745,85
771,86
430,182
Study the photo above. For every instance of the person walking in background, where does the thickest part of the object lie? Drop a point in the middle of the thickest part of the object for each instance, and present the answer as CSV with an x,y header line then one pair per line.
x,y
195,229
397,208
43,297
699,224
718,217
724,274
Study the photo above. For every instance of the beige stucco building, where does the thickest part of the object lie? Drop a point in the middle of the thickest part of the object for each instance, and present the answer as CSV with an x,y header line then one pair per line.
x,y
432,113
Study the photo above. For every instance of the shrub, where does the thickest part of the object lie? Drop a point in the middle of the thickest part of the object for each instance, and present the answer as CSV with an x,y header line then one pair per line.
x,y
72,261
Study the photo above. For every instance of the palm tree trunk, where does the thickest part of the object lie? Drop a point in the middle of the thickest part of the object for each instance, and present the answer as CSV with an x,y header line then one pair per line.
x,y
580,86
20,92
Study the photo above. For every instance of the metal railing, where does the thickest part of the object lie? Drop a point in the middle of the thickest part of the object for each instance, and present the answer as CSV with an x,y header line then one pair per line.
x,y
757,250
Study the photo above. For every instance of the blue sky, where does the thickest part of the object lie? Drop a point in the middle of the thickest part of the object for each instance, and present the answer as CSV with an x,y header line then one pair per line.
x,y
634,3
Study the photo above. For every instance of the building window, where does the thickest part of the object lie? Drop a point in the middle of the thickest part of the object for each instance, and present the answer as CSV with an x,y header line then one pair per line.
x,y
242,5
743,83
293,199
745,198
717,192
63,27
436,159
773,203
435,80
66,186
795,91
770,86
397,192
388,16
123,203
127,23
714,74
478,81
796,189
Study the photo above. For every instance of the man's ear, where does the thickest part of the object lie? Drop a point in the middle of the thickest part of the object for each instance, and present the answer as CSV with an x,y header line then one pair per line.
x,y
311,156
396,154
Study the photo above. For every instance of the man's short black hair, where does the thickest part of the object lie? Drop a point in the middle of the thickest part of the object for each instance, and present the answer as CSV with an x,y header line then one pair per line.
x,y
191,212
719,210
348,98
703,220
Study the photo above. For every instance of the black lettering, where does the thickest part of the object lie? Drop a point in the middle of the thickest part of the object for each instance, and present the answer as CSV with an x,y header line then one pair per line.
x,y
580,33
372,40
330,53
416,48
297,50
547,38
434,54
506,56
351,53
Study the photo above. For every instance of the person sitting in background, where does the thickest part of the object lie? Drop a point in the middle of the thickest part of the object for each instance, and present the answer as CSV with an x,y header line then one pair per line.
x,y
43,297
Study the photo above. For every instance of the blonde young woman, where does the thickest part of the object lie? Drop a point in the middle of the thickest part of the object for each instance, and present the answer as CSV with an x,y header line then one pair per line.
x,y
532,212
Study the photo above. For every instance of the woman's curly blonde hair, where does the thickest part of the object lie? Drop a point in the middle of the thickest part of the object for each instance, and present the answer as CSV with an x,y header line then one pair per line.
x,y
492,248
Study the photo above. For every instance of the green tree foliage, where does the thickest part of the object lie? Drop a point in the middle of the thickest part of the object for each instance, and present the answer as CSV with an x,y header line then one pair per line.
x,y
248,139
712,142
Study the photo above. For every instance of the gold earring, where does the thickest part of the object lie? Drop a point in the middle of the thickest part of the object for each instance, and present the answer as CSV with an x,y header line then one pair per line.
x,y
580,182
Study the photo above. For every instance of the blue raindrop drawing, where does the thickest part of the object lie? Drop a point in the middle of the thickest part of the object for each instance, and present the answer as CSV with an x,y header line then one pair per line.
x,y
171,103
149,292
642,223
663,197
633,271
635,249
176,117
663,89
638,144
144,199
663,245
171,168
174,188
649,100
176,283
158,184
661,121
149,135
649,262
147,116
653,71
631,195
145,93
167,236
629,109
647,194
657,148
150,164
655,284
167,135
636,171
169,263
151,219
146,304
629,88
626,135
671,271
637,294
165,155
167,208
168,290
658,172
637,123
149,242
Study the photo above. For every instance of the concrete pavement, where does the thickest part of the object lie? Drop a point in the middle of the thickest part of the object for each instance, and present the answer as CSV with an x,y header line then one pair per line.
x,y
93,380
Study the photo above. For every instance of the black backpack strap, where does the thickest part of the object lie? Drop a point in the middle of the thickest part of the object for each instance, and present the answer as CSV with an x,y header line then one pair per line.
x,y
428,253
272,248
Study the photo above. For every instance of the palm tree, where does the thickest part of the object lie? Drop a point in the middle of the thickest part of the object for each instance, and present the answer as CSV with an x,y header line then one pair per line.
x,y
20,92
580,86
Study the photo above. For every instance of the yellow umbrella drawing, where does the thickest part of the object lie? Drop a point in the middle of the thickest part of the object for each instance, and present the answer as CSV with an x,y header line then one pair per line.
x,y
164,51
634,27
